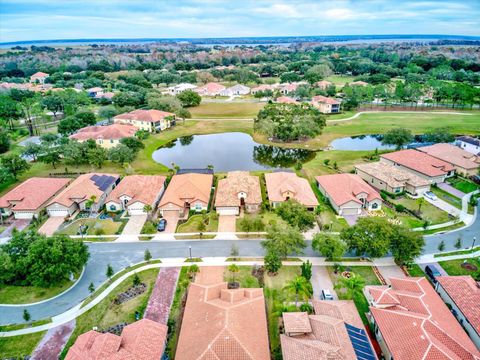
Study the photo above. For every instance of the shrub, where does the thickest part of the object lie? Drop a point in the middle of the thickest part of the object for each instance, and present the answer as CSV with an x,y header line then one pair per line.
x,y
400,208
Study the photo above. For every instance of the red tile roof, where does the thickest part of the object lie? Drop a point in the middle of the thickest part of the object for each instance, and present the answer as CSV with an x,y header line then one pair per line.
x,y
420,162
280,183
343,188
33,193
416,324
144,115
210,88
465,292
109,132
142,188
286,100
223,324
235,183
325,100
453,155
142,340
39,74
188,187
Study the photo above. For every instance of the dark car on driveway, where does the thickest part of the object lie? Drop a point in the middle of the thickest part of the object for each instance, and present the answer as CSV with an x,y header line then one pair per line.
x,y
432,272
162,225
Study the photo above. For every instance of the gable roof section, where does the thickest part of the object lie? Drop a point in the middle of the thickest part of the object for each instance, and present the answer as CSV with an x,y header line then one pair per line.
x,y
211,88
222,324
144,115
392,175
419,326
236,182
324,100
279,182
143,188
109,132
453,155
420,162
188,187
286,100
32,193
39,74
343,188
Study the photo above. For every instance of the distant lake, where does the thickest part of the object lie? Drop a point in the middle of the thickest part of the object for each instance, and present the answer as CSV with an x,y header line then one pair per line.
x,y
371,142
228,152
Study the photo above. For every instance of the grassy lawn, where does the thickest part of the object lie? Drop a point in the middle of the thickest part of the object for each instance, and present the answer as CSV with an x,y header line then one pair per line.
x,y
244,277
193,223
340,80
458,252
235,110
107,313
447,228
447,197
268,218
428,211
345,161
17,347
95,227
24,326
415,271
453,267
463,185
406,219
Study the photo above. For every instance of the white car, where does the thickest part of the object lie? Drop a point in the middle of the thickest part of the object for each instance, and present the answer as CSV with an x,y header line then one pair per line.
x,y
430,195
326,295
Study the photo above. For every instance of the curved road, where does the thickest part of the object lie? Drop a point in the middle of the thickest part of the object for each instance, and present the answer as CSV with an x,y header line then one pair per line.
x,y
121,255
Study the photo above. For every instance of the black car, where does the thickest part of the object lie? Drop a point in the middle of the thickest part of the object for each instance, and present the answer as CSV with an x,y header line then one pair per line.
x,y
475,179
162,225
432,272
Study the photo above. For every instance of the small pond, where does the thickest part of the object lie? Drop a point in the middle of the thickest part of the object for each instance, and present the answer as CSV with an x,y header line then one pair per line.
x,y
369,142
228,152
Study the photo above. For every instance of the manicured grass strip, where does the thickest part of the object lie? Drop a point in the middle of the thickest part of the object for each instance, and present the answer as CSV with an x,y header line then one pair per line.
x,y
18,347
193,260
447,197
463,185
234,110
444,229
244,277
95,227
459,252
23,326
415,271
454,268
193,224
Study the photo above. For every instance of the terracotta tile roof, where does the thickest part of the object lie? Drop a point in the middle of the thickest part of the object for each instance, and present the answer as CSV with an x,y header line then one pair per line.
x,y
188,187
289,86
343,188
392,175
235,183
144,115
141,188
263,87
83,188
465,292
95,89
142,340
222,324
420,162
453,155
325,100
286,100
327,337
323,84
419,326
278,183
211,88
32,193
39,74
109,132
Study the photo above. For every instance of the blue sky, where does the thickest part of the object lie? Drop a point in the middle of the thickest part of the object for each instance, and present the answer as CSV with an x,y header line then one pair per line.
x,y
73,19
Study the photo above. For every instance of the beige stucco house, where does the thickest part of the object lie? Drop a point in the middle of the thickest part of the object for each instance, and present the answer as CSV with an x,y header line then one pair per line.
x,y
464,162
282,186
238,190
105,136
147,120
326,105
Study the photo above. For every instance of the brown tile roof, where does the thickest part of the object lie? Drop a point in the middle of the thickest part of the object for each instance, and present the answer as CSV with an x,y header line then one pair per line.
x,y
142,340
343,188
392,175
211,88
325,100
327,337
286,100
419,325
39,74
142,188
236,182
188,187
144,115
453,155
83,188
109,132
465,292
221,324
323,84
420,162
32,193
278,183
263,87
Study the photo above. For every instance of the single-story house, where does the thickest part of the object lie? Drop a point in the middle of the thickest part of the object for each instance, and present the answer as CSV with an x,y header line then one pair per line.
x,y
39,77
223,324
348,193
286,100
94,91
421,164
179,88
464,162
235,90
105,136
411,322
134,192
323,84
30,197
262,88
392,179
142,340
87,192
288,88
462,295
334,331
326,105
239,189
210,89
148,120
186,192
468,143
282,186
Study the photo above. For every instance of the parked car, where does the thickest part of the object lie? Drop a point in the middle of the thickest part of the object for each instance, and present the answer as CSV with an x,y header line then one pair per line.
x,y
432,272
475,179
162,225
326,295
430,195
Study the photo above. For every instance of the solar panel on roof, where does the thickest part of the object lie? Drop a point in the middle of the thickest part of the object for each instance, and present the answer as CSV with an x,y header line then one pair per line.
x,y
103,181
361,345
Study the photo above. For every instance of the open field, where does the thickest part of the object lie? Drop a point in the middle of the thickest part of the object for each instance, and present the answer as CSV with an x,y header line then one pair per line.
x,y
231,109
340,80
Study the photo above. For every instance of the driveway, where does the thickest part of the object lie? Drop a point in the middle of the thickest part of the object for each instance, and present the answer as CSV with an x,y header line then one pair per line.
x,y
172,218
134,225
16,224
321,280
437,265
393,271
443,205
51,225
351,219
450,189
227,223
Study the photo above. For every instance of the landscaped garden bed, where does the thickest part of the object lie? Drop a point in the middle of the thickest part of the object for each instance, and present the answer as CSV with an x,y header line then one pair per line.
x,y
93,227
427,212
199,223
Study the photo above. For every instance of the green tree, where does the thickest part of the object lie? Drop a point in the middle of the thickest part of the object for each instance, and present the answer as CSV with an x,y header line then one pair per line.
x,y
14,164
50,154
233,269
284,240
26,315
133,143
234,252
420,201
136,280
458,244
109,272
121,154
53,103
147,256
398,137
97,156
91,288
295,214
4,141
272,261
330,246
306,268
189,98
32,150
441,246
353,285
193,270
406,245
317,73
107,112
300,287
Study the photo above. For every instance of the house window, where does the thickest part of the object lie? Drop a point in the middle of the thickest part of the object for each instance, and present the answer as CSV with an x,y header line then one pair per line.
x,y
113,208
198,207
374,206
397,190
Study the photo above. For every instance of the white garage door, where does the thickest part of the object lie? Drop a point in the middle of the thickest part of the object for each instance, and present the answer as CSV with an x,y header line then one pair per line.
x,y
23,215
136,211
349,211
58,212
228,211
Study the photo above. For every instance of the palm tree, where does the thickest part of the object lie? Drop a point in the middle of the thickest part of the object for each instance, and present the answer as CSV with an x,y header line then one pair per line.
x,y
90,202
193,270
300,287
420,202
233,269
353,285
148,208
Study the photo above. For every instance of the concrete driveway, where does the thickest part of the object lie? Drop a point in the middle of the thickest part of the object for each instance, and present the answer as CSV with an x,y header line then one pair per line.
x,y
392,271
19,224
321,280
172,221
134,225
51,225
443,205
227,223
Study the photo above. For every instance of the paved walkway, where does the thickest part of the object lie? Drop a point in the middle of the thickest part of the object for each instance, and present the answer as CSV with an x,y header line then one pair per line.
x,y
16,224
450,189
160,301
391,271
134,225
321,280
53,342
51,225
